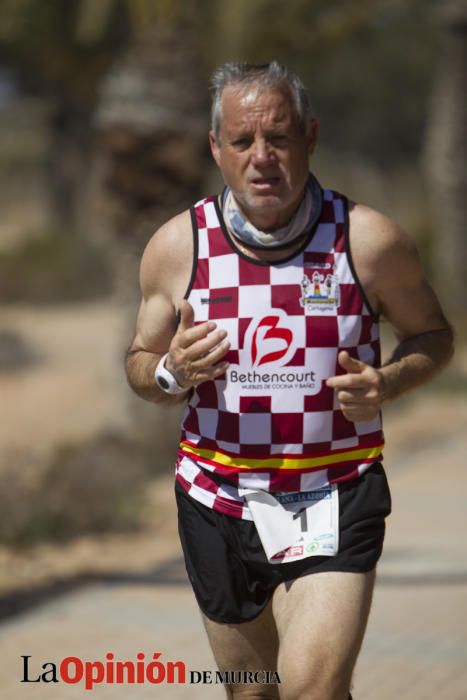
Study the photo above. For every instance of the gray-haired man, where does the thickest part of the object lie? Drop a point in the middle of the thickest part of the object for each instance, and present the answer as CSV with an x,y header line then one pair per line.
x,y
278,285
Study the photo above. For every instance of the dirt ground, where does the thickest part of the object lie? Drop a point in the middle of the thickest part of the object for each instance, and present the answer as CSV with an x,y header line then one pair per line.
x,y
61,379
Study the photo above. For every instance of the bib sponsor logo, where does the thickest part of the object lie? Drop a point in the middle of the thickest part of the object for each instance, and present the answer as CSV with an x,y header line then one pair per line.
x,y
294,551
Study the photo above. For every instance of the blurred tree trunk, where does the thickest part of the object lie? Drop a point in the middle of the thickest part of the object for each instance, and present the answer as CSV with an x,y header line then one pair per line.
x,y
67,161
446,156
151,137
151,151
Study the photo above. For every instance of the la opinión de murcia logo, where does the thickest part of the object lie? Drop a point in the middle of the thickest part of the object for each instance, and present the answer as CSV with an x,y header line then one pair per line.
x,y
73,671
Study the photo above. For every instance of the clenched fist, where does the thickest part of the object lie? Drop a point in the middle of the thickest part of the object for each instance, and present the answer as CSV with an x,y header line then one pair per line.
x,y
195,352
360,392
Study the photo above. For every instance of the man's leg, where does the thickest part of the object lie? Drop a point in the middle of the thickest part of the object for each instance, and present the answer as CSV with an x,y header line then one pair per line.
x,y
321,619
250,646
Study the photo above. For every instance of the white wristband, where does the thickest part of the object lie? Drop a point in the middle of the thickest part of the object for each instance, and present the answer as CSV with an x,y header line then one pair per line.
x,y
165,380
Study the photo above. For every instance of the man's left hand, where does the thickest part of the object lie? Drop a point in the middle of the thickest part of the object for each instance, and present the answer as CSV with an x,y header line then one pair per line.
x,y
360,392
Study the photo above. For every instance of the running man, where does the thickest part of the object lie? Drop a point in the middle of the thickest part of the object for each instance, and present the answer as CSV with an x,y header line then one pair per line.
x,y
260,311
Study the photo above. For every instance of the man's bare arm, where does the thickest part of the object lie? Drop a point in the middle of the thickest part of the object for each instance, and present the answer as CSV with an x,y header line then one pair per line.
x,y
409,303
156,326
391,273
194,352
416,360
164,274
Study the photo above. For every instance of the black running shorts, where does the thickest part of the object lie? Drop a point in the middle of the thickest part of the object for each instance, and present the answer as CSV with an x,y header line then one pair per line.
x,y
228,569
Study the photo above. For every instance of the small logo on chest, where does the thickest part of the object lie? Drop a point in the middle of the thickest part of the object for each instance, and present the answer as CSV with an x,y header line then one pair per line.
x,y
320,291
216,300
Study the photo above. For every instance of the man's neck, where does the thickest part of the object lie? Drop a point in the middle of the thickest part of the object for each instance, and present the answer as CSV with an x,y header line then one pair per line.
x,y
265,254
267,220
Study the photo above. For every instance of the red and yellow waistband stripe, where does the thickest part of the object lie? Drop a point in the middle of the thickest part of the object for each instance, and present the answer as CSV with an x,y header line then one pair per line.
x,y
281,462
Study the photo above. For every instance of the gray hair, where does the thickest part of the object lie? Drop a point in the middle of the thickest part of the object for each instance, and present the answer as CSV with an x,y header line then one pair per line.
x,y
266,76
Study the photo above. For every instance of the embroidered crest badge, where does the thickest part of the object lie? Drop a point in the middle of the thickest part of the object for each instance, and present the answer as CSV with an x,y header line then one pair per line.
x,y
321,292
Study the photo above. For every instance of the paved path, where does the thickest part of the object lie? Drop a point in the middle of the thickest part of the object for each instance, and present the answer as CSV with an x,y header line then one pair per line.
x,y
416,645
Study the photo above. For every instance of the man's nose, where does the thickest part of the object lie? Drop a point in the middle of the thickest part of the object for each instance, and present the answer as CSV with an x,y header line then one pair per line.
x,y
262,153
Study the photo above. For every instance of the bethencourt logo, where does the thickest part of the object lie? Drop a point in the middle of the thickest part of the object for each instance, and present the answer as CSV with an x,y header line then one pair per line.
x,y
269,340
267,330
269,346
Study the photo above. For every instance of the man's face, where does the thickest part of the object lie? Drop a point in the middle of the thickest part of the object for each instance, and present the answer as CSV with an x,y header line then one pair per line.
x,y
263,153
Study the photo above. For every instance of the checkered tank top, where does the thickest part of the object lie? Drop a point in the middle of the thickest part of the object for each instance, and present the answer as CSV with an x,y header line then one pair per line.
x,y
271,422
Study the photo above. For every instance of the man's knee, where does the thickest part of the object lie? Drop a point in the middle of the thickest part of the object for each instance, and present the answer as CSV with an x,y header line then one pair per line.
x,y
238,692
315,692
323,682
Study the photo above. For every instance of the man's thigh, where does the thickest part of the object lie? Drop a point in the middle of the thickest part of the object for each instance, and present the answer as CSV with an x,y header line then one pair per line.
x,y
249,646
321,621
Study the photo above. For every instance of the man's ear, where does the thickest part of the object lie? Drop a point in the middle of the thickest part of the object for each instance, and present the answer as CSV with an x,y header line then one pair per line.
x,y
214,148
312,134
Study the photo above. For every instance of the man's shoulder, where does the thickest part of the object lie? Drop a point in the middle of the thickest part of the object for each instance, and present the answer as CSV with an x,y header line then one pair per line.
x,y
374,236
167,251
175,231
382,252
172,232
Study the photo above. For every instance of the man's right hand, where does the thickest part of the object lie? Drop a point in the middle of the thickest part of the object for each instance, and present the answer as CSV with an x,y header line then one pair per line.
x,y
196,351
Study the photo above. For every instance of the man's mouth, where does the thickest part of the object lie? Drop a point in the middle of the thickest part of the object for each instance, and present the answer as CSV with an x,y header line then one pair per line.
x,y
264,183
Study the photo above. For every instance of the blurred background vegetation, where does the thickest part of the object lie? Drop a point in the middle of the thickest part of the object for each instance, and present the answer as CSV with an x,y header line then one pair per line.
x,y
103,121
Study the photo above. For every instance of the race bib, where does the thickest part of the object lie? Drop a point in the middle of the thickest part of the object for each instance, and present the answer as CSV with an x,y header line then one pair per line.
x,y
294,526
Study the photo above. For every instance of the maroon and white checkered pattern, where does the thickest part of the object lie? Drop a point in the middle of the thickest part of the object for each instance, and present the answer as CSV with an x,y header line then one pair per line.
x,y
259,306
223,495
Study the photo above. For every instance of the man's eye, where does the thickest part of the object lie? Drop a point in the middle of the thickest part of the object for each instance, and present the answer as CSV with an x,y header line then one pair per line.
x,y
278,140
241,143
